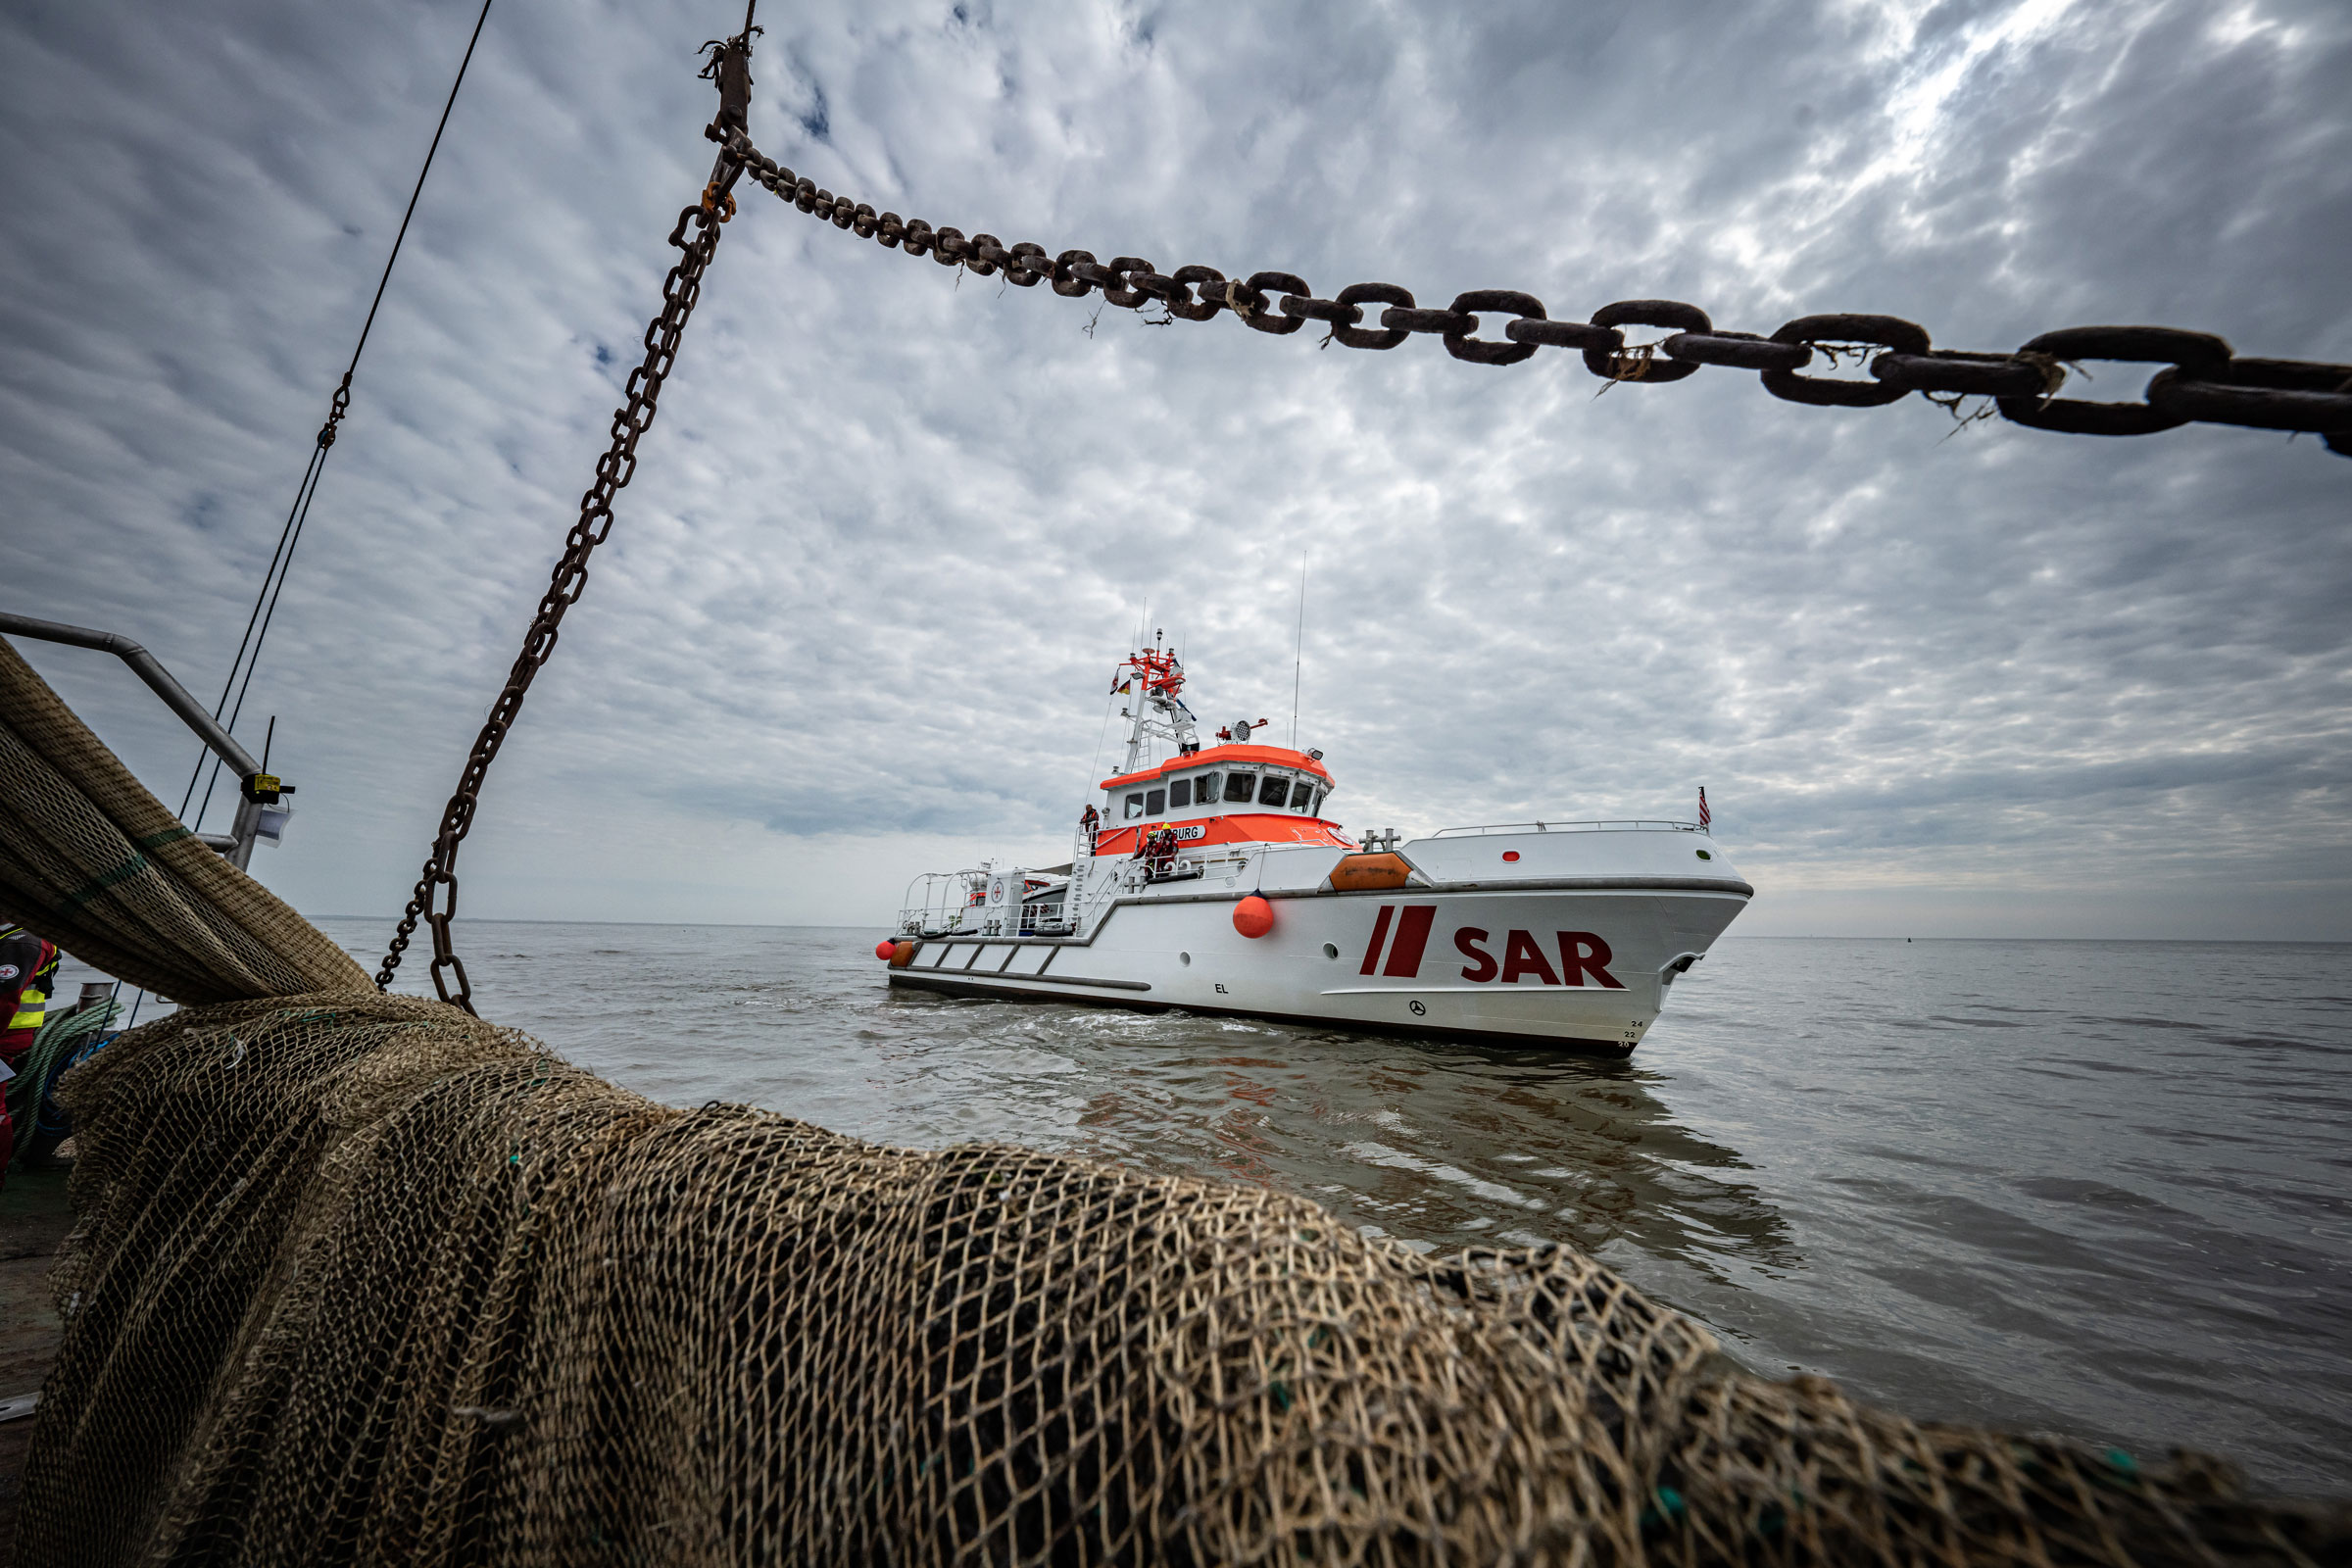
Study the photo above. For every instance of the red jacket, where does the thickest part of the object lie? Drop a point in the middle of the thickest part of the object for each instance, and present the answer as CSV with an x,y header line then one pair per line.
x,y
27,972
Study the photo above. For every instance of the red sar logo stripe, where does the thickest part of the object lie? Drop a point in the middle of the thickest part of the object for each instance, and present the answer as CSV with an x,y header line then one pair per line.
x,y
1379,934
1412,934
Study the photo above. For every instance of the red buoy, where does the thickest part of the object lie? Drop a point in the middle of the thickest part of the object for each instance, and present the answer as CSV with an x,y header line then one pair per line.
x,y
1253,916
886,950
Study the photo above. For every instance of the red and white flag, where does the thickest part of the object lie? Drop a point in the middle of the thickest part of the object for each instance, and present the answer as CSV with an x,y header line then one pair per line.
x,y
1705,817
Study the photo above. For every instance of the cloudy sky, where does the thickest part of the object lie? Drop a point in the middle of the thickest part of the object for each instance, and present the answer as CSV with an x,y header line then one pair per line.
x,y
895,525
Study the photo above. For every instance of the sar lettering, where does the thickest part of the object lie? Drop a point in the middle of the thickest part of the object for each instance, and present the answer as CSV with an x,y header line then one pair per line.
x,y
1521,955
1582,954
1482,962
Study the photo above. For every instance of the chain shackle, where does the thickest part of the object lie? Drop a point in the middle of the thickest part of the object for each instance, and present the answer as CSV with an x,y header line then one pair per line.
x,y
337,407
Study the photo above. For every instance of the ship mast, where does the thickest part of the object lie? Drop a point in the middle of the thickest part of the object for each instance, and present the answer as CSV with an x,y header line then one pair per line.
x,y
1155,684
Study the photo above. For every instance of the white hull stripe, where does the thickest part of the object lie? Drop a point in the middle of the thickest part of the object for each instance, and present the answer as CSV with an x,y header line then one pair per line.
x,y
1022,982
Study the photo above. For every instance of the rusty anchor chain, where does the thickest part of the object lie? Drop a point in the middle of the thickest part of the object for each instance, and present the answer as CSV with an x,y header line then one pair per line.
x,y
2203,379
696,237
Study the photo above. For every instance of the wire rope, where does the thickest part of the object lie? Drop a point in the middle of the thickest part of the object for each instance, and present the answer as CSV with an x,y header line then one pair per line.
x,y
282,560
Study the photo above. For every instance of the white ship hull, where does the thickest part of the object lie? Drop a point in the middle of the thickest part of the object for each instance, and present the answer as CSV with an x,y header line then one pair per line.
x,y
1571,942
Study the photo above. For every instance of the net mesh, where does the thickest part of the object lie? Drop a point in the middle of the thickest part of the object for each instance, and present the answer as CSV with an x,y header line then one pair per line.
x,y
359,1278
363,1279
99,866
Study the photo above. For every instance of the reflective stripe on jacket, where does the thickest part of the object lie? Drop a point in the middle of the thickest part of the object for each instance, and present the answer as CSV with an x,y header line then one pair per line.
x,y
27,969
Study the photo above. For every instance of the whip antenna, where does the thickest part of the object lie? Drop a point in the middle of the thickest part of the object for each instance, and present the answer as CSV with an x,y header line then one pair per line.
x,y
1298,650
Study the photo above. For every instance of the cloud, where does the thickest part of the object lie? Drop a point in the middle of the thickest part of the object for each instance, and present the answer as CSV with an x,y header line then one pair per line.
x,y
895,522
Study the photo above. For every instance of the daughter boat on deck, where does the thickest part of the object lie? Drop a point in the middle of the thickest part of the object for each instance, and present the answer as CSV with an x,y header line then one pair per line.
x,y
1213,882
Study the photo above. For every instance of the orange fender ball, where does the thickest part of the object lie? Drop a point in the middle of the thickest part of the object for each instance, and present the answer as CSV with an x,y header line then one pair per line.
x,y
886,950
1253,916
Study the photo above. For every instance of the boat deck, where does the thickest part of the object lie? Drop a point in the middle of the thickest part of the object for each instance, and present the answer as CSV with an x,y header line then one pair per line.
x,y
35,1218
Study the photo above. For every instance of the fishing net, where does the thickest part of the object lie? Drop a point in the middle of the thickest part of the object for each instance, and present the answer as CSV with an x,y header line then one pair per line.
x,y
363,1279
99,866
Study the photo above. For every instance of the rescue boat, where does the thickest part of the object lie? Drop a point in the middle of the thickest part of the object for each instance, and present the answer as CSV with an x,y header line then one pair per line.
x,y
1214,881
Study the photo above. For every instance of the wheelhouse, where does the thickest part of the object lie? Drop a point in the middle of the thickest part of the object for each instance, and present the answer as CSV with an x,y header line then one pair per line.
x,y
1216,781
1223,794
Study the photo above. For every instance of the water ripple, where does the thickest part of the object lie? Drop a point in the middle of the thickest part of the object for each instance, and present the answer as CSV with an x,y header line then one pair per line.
x,y
2099,1188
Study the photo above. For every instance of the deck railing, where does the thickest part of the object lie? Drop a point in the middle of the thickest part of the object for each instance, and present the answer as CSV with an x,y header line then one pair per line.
x,y
1036,919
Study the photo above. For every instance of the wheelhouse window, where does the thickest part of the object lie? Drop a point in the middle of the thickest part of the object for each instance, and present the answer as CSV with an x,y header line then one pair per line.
x,y
1155,803
1275,791
1320,797
1302,795
1210,783
1239,787
1180,792
1135,806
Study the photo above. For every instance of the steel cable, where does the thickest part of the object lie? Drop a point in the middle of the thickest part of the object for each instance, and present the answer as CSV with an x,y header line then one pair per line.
x,y
282,560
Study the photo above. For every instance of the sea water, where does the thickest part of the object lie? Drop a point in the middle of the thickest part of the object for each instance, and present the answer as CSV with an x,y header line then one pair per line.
x,y
2100,1188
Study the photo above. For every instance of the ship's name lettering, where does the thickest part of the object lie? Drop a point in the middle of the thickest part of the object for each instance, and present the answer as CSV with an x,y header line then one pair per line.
x,y
1581,953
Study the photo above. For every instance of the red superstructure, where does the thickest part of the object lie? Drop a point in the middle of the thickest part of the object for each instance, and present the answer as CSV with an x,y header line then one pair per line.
x,y
1220,821
1278,756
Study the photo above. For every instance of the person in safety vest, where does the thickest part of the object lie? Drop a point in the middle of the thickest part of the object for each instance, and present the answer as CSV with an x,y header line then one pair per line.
x,y
1157,849
27,969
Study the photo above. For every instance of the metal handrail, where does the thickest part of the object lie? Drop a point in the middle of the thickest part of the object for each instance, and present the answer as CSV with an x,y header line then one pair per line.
x,y
149,670
1633,825
1034,918
238,846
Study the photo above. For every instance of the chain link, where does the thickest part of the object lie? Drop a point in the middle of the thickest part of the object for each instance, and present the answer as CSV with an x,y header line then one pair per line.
x,y
696,237
2203,380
